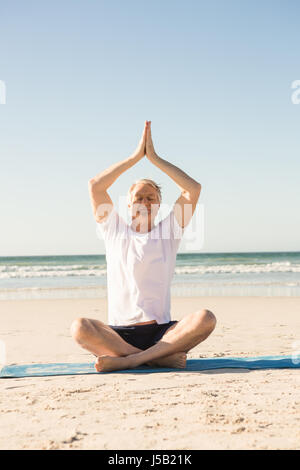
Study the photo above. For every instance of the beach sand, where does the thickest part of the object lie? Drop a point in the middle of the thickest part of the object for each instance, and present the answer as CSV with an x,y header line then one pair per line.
x,y
217,409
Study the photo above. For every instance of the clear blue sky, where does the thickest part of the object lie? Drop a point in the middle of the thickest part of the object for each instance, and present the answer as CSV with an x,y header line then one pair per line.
x,y
214,77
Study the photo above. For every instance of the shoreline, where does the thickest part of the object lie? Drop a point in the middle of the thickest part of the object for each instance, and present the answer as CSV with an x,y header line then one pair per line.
x,y
178,290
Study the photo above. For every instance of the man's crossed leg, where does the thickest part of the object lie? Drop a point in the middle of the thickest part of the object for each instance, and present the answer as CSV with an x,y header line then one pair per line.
x,y
113,353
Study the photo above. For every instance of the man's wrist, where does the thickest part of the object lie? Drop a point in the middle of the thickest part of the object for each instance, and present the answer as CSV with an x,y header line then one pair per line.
x,y
135,157
152,156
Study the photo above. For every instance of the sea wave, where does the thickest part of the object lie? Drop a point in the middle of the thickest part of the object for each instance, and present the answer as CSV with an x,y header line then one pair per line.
x,y
283,267
38,271
56,271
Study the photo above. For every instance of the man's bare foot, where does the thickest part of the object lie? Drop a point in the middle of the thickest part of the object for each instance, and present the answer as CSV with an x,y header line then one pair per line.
x,y
108,363
176,360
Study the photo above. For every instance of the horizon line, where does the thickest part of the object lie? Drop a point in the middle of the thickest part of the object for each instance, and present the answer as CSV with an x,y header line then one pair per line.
x,y
179,253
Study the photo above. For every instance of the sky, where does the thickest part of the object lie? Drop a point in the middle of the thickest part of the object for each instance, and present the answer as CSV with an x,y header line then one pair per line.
x,y
214,77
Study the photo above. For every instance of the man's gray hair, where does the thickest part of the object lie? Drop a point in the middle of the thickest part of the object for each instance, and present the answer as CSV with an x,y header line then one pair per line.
x,y
146,181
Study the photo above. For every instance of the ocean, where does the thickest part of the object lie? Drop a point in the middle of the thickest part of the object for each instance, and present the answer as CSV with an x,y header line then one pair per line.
x,y
196,274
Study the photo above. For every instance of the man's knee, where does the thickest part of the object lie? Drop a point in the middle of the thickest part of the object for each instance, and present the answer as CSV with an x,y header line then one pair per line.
x,y
79,328
206,319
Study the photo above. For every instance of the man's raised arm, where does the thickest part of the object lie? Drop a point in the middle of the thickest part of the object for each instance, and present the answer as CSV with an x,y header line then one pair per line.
x,y
106,178
185,182
185,205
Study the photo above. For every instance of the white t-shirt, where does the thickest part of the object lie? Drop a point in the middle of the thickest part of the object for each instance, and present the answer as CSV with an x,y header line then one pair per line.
x,y
140,267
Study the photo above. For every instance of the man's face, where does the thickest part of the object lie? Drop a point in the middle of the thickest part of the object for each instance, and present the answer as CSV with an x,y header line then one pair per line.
x,y
144,201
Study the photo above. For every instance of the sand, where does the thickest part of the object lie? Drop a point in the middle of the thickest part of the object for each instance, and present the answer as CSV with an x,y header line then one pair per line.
x,y
218,409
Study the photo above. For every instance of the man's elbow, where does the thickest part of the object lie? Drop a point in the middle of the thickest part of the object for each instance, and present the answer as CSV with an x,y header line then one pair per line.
x,y
193,193
198,188
92,185
96,186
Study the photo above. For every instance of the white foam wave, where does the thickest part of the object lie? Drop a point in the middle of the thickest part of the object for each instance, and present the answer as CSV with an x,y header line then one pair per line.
x,y
284,267
44,271
39,271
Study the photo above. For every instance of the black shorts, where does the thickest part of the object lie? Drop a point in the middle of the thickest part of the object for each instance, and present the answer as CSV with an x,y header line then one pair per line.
x,y
143,336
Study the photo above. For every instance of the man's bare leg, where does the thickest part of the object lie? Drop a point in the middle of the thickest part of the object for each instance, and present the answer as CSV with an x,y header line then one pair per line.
x,y
99,339
185,335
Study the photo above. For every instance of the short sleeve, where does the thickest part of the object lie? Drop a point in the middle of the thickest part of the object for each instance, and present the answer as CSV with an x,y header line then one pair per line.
x,y
108,229
171,230
176,229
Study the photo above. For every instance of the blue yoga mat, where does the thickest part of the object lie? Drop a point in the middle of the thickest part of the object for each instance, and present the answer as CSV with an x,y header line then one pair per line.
x,y
192,365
